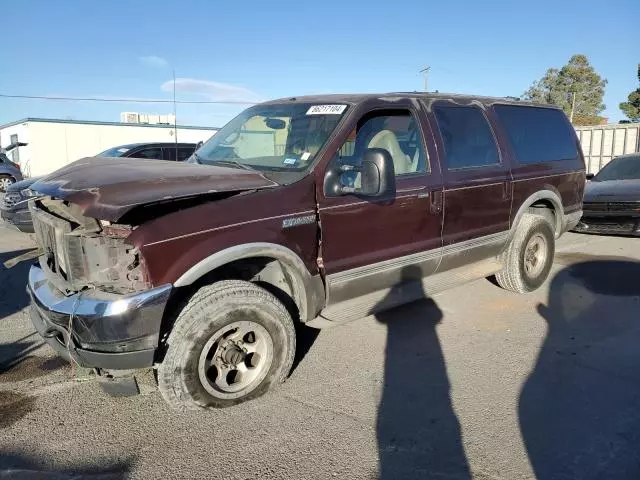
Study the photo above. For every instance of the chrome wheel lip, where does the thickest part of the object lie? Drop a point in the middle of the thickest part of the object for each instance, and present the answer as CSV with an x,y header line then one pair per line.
x,y
250,377
535,255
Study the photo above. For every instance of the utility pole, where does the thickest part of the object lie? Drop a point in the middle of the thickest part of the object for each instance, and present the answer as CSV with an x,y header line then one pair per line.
x,y
175,113
573,105
425,70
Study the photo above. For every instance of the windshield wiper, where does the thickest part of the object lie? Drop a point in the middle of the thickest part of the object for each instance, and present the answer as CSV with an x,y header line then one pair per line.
x,y
235,163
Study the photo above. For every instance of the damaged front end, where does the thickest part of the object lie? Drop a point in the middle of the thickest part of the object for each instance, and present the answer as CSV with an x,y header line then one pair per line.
x,y
80,252
91,299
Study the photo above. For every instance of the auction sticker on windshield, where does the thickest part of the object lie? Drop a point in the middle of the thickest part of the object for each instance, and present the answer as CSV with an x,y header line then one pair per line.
x,y
326,110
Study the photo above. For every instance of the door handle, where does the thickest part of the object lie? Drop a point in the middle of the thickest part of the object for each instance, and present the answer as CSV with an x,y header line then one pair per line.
x,y
506,190
435,201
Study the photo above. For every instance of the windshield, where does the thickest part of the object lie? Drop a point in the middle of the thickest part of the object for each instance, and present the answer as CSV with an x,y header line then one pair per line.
x,y
282,137
114,152
621,168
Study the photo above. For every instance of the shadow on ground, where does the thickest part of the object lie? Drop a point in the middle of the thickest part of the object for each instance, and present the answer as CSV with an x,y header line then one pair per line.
x,y
579,409
18,466
418,432
13,296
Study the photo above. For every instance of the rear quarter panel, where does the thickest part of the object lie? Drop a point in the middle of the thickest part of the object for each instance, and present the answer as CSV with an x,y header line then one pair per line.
x,y
566,178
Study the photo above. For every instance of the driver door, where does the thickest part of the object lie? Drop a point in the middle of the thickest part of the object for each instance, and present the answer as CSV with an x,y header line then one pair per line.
x,y
375,251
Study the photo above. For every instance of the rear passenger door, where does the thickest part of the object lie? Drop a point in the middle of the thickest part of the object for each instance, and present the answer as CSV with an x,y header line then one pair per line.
x,y
477,184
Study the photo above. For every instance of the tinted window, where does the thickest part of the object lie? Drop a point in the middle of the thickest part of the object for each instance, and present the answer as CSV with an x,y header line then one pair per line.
x,y
152,152
468,141
621,168
114,152
538,134
184,153
169,153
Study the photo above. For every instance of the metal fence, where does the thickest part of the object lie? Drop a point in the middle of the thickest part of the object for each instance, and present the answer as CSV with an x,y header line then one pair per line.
x,y
603,142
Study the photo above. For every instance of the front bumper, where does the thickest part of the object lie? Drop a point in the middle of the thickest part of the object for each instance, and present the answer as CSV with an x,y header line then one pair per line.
x,y
19,218
95,328
609,225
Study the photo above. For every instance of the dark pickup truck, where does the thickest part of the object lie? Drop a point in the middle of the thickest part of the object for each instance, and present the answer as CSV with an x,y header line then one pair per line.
x,y
311,210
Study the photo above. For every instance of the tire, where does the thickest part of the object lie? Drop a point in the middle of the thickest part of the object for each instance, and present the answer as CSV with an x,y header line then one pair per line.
x,y
525,271
5,181
208,343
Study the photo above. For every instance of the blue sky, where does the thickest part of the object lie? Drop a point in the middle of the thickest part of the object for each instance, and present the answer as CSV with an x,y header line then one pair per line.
x,y
261,50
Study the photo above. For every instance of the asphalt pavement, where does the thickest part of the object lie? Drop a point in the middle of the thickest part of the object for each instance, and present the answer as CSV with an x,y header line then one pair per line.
x,y
475,382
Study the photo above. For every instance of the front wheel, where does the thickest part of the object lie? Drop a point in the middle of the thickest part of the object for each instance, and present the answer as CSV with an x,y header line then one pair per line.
x,y
232,342
529,256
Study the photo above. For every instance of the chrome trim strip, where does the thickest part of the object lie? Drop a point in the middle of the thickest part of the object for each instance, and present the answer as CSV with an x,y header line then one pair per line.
x,y
474,186
353,274
547,176
364,202
306,212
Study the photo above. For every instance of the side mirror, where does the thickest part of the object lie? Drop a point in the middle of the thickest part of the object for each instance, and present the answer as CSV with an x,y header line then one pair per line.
x,y
590,176
378,177
375,177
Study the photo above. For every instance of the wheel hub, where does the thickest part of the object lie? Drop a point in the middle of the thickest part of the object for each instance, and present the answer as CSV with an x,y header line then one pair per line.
x,y
235,359
233,354
535,255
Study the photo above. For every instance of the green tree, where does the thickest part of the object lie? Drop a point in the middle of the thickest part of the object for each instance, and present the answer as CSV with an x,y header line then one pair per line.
x,y
631,108
575,87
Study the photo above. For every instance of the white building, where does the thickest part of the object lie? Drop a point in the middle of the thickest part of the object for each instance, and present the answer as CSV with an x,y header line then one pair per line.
x,y
53,143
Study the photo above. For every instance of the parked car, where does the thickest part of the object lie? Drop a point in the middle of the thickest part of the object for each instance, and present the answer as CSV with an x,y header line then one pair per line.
x,y
15,210
312,210
612,199
156,151
9,172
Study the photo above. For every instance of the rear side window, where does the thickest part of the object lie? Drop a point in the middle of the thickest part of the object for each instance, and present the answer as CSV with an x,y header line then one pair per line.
x,y
152,152
468,140
538,135
184,153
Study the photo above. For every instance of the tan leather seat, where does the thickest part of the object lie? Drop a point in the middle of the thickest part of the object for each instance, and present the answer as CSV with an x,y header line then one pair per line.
x,y
387,139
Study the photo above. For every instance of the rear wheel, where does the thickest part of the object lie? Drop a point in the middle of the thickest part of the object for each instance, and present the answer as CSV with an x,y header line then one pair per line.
x,y
529,256
232,342
5,182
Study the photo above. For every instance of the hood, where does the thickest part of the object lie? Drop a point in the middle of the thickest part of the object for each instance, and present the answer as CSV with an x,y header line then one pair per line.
x,y
107,188
612,191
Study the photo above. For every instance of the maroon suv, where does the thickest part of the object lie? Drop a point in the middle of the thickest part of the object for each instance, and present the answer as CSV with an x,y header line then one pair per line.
x,y
314,210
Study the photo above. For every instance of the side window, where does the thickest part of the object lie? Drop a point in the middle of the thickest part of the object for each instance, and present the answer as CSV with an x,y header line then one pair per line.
x,y
169,153
152,152
468,141
538,135
396,131
184,153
